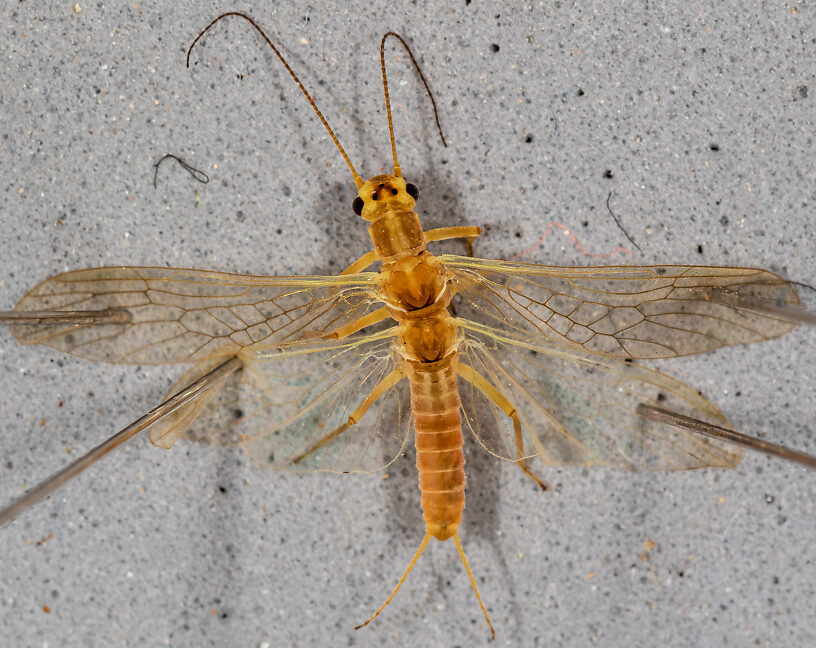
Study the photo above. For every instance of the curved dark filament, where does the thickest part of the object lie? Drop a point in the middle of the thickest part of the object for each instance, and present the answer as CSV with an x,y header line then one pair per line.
x,y
357,179
397,169
197,174
618,223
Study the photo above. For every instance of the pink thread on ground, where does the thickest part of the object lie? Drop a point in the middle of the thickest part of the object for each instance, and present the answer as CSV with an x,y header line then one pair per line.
x,y
575,242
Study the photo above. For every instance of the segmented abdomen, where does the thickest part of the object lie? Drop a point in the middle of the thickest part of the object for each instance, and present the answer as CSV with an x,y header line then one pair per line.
x,y
438,436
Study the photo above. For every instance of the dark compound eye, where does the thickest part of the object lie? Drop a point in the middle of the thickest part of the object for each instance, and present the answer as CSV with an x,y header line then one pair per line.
x,y
357,205
374,196
412,190
394,192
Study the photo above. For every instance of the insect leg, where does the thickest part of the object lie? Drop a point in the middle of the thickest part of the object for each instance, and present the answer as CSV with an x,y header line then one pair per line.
x,y
467,232
445,233
360,323
387,383
498,399
438,234
362,263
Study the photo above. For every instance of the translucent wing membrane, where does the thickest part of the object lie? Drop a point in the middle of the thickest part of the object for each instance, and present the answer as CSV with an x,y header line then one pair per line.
x,y
284,406
626,311
167,431
578,407
180,315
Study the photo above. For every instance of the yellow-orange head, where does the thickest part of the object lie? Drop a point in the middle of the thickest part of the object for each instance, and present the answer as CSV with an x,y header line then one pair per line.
x,y
382,194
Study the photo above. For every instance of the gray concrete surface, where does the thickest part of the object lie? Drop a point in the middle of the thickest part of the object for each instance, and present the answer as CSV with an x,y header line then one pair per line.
x,y
703,114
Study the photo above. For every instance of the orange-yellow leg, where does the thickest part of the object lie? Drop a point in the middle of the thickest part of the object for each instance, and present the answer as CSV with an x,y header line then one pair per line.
x,y
362,263
498,399
445,233
360,323
387,383
468,232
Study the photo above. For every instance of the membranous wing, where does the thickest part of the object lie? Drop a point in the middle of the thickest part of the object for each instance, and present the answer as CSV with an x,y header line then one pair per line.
x,y
287,403
176,315
577,407
626,311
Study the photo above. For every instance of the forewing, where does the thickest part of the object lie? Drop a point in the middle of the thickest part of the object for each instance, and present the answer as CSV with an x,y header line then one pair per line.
x,y
627,311
577,407
288,398
178,315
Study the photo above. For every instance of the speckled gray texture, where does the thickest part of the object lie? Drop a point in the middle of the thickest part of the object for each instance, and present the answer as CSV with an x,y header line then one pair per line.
x,y
703,114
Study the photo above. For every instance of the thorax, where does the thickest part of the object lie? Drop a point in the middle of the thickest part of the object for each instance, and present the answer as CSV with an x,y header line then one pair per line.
x,y
416,292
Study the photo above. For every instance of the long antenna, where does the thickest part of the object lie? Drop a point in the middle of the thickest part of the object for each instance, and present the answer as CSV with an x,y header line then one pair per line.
x,y
397,169
357,179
